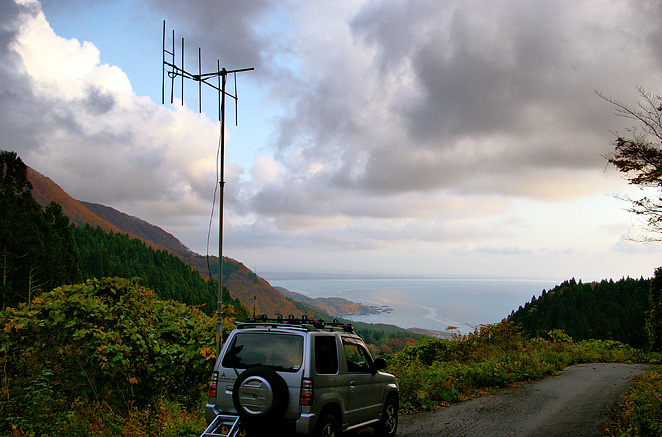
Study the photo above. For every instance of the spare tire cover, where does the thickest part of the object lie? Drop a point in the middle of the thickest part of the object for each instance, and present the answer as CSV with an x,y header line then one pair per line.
x,y
260,394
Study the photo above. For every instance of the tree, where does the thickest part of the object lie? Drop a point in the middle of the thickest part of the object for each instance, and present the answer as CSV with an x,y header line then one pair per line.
x,y
37,248
640,159
19,214
653,324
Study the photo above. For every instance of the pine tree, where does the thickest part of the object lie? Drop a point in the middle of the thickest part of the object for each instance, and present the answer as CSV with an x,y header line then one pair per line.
x,y
654,316
61,247
37,250
20,223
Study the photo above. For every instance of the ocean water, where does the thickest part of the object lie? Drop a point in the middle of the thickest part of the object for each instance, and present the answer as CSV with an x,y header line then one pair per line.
x,y
434,304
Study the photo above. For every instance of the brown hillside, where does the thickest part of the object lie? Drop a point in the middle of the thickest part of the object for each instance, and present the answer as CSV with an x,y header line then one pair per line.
x,y
138,227
240,281
44,190
244,284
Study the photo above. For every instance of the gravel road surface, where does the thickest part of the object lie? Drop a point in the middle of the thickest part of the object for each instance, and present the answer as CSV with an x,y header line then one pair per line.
x,y
573,403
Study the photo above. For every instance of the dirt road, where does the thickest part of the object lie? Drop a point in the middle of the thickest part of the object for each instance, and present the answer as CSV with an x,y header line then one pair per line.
x,y
573,403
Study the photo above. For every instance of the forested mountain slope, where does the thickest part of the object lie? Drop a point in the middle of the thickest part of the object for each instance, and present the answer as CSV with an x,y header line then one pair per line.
x,y
105,254
138,227
604,310
242,283
45,191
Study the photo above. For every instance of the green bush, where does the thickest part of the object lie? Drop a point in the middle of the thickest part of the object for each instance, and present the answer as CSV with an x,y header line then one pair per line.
x,y
109,342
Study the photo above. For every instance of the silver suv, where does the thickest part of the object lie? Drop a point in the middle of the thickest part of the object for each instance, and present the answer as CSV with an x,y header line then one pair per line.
x,y
299,377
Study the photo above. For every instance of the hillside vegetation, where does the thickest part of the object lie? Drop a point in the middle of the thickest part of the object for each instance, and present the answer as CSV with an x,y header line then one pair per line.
x,y
606,310
108,358
116,255
243,284
80,359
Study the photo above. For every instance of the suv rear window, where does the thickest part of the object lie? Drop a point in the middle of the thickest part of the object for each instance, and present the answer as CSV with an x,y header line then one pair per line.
x,y
281,352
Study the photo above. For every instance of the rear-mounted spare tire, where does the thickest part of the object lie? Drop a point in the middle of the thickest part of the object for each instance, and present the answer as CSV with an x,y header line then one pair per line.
x,y
260,395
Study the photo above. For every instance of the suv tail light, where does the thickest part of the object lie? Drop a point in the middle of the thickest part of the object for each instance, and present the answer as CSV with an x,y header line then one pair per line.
x,y
213,384
307,397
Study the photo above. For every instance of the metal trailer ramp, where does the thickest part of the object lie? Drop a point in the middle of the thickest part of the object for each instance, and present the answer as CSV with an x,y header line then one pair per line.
x,y
223,426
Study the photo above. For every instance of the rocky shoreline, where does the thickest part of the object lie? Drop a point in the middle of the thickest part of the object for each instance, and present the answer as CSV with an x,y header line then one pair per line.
x,y
336,306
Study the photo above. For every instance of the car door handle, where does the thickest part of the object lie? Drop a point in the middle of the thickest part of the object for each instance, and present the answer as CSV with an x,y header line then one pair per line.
x,y
352,385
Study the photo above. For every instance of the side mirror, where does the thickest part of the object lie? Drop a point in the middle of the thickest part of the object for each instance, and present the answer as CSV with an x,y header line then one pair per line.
x,y
380,364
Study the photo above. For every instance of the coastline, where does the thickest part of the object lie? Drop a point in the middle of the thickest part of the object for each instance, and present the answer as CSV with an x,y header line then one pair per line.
x,y
426,304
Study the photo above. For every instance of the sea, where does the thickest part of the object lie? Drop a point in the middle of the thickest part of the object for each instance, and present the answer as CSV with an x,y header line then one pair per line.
x,y
458,305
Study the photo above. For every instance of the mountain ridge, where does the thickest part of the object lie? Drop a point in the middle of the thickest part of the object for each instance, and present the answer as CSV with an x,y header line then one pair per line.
x,y
45,191
136,226
335,306
254,291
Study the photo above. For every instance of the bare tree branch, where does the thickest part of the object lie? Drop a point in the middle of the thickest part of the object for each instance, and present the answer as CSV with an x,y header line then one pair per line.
x,y
639,159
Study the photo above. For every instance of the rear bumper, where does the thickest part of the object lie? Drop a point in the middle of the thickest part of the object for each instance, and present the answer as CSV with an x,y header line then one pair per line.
x,y
306,423
210,413
303,425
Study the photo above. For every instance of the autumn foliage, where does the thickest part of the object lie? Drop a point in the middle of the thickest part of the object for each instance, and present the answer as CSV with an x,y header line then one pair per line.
x,y
105,342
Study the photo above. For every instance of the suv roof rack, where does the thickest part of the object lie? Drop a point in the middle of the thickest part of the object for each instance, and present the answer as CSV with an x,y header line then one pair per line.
x,y
303,322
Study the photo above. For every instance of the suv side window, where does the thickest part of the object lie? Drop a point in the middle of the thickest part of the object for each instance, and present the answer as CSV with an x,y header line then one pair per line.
x,y
358,360
326,355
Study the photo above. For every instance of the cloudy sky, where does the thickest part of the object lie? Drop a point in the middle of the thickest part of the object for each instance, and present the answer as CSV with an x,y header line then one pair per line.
x,y
427,137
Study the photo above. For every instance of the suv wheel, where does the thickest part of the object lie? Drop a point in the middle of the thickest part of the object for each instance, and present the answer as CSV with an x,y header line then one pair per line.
x,y
327,427
260,394
389,423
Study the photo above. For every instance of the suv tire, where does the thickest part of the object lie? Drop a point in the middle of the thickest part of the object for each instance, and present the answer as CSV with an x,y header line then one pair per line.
x,y
388,425
327,426
260,394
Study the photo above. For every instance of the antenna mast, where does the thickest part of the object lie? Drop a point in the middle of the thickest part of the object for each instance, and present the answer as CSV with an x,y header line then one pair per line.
x,y
173,71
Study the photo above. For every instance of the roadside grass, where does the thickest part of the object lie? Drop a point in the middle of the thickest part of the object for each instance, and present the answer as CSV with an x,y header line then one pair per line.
x,y
435,372
640,414
162,417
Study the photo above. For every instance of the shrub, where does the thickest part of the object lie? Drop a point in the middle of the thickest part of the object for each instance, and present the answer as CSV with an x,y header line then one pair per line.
x,y
106,341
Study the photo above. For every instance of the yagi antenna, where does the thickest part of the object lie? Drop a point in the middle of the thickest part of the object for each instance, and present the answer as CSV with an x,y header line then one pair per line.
x,y
173,71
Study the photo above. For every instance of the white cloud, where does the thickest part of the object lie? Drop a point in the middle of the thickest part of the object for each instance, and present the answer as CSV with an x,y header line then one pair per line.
x,y
101,141
420,130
